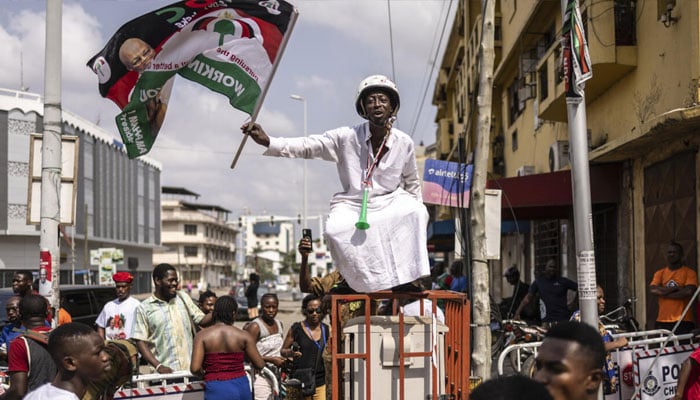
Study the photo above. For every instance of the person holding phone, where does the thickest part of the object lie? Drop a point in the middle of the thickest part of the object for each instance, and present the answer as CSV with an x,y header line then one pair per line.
x,y
305,343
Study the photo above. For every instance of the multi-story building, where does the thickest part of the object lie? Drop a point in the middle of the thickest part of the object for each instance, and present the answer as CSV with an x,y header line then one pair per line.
x,y
272,237
197,240
642,111
116,204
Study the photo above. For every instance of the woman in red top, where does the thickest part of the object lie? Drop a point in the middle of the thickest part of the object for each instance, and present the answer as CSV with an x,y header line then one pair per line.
x,y
218,353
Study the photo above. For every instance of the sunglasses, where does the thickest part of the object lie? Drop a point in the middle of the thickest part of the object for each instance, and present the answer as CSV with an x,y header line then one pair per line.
x,y
314,311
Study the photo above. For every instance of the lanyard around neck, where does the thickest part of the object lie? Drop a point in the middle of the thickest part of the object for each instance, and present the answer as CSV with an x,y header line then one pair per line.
x,y
370,168
311,335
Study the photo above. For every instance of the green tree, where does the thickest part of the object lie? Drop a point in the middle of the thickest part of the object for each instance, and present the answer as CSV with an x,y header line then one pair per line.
x,y
289,264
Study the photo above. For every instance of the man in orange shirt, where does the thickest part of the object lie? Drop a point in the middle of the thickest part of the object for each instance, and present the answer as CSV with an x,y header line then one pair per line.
x,y
674,285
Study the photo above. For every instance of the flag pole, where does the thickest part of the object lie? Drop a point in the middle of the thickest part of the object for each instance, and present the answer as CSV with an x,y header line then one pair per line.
x,y
258,105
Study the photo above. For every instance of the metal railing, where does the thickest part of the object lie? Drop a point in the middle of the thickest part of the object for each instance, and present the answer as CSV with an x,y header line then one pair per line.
x,y
636,340
455,356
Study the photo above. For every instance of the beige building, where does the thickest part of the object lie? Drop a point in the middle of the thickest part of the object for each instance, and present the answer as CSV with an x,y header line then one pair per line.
x,y
196,238
642,111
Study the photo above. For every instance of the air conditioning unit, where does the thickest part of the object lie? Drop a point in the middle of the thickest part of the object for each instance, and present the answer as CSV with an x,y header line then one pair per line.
x,y
558,155
525,170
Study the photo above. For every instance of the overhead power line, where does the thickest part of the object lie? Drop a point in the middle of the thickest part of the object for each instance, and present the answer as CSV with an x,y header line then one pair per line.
x,y
432,63
391,43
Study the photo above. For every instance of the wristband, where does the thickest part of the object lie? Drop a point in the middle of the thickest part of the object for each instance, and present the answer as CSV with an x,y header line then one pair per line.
x,y
158,366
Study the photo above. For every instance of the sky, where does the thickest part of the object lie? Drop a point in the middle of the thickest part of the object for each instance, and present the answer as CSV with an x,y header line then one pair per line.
x,y
333,46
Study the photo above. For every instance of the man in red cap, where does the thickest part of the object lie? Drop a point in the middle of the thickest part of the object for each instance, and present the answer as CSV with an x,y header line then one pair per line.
x,y
116,321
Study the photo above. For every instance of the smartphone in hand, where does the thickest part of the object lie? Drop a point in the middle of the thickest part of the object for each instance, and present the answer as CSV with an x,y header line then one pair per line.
x,y
306,233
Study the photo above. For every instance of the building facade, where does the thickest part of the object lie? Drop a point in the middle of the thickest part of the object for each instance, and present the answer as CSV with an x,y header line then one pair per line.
x,y
642,114
116,204
273,240
197,239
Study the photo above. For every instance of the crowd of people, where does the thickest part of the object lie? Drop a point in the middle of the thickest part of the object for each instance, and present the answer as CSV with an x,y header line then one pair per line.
x,y
377,170
172,332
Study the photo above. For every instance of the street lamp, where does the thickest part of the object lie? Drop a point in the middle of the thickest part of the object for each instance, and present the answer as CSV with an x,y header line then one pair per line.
x,y
305,196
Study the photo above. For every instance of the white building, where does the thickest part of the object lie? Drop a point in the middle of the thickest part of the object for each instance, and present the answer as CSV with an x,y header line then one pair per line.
x,y
196,238
116,203
273,237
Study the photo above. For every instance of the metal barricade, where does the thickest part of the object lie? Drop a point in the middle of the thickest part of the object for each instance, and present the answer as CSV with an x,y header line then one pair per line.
x,y
455,355
637,340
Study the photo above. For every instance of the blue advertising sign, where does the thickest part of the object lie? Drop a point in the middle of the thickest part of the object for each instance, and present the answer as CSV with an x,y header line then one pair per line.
x,y
447,183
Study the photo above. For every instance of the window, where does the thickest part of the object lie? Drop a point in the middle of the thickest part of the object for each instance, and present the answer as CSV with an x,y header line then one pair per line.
x,y
626,22
190,251
514,139
514,109
190,229
544,87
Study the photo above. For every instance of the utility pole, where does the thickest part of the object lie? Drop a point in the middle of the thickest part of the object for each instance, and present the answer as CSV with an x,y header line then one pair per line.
x,y
305,201
51,146
577,71
481,356
86,252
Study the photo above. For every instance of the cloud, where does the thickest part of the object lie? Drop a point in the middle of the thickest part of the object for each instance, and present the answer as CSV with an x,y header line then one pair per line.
x,y
9,59
413,26
317,83
334,45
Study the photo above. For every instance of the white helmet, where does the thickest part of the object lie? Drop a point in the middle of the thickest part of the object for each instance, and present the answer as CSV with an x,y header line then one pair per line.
x,y
377,82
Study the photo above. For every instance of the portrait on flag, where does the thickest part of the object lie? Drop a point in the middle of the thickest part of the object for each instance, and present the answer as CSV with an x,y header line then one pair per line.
x,y
229,47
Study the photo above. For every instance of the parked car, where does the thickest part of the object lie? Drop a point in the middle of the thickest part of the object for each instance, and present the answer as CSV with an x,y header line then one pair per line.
x,y
83,302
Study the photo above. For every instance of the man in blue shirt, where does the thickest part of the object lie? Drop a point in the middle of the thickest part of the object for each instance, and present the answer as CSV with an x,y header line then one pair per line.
x,y
552,289
459,281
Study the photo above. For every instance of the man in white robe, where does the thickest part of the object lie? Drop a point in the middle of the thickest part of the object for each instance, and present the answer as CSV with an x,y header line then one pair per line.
x,y
392,252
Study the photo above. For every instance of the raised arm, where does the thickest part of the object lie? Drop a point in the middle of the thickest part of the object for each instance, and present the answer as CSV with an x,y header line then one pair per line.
x,y
256,132
304,272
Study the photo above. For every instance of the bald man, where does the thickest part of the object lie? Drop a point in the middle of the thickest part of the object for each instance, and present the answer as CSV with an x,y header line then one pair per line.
x,y
136,55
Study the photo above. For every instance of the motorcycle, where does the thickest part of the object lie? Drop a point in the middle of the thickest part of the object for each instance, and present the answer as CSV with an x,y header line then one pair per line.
x,y
509,332
621,319
525,358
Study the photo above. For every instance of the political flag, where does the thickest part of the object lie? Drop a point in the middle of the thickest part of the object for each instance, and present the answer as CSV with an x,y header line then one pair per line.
x,y
577,61
229,46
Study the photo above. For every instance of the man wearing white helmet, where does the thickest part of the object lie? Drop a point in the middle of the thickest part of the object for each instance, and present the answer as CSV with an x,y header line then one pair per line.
x,y
392,252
